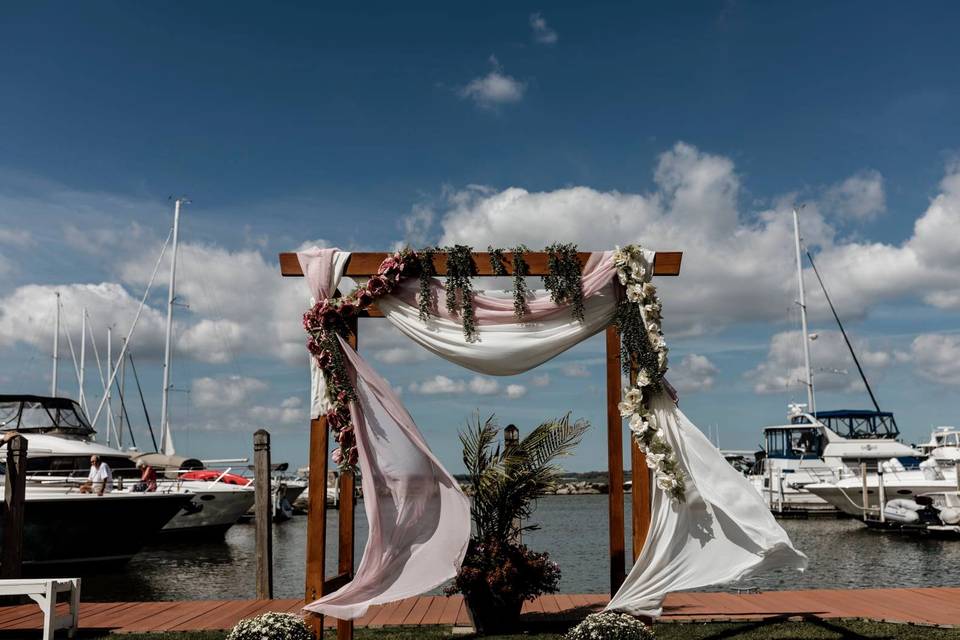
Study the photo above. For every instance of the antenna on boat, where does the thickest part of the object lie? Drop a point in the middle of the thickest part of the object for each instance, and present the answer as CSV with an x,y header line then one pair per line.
x,y
165,437
843,332
83,358
811,400
56,348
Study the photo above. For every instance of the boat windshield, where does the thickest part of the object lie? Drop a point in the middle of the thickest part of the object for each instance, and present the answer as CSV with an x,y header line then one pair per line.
x,y
798,442
857,424
40,414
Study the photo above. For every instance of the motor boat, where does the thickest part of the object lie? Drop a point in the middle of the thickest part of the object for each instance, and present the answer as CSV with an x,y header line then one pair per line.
x,y
943,446
935,514
819,449
58,454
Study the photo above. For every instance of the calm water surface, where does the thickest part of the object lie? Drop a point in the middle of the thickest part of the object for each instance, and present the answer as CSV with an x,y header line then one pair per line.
x,y
842,554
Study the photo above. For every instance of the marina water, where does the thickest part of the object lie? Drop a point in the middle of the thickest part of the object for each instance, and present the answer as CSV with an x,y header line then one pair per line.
x,y
843,554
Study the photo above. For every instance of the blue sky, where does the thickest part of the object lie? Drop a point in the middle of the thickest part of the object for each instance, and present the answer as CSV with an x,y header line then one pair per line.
x,y
693,128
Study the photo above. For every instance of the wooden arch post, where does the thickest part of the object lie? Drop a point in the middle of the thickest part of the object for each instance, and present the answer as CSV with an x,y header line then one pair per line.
x,y
366,264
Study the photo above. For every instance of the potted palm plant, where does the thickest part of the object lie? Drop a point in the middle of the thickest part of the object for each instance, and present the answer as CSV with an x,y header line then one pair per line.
x,y
499,573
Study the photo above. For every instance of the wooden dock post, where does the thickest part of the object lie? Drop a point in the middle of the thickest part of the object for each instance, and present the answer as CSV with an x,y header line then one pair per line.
x,y
11,560
640,492
263,507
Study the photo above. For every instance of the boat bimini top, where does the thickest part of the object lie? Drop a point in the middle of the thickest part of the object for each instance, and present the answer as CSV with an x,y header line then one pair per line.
x,y
43,414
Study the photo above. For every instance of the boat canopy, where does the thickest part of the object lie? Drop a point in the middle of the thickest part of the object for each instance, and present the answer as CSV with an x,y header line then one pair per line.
x,y
42,414
856,423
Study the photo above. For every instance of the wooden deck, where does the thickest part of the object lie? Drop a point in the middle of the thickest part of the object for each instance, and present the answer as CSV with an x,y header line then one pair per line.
x,y
928,607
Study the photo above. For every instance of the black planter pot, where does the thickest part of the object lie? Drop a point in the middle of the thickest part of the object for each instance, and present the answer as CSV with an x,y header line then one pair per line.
x,y
492,614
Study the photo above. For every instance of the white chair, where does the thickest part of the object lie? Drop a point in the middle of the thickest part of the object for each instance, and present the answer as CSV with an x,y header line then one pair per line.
x,y
44,592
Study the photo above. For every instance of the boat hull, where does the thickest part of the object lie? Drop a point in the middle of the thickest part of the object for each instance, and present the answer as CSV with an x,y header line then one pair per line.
x,y
77,529
210,513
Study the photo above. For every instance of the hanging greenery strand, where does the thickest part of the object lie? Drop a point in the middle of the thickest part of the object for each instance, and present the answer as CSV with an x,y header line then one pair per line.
x,y
564,278
426,300
460,271
520,271
496,261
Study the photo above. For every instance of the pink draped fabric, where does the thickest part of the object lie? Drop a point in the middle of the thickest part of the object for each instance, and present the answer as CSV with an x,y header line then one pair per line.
x,y
419,519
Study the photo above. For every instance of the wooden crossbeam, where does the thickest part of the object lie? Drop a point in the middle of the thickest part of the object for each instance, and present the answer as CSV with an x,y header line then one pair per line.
x,y
665,263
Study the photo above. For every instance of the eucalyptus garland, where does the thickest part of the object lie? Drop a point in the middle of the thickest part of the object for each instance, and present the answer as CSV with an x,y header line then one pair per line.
x,y
426,299
496,261
564,278
460,272
520,271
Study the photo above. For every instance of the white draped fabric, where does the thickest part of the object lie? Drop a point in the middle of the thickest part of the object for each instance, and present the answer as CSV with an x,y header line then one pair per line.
x,y
723,531
419,519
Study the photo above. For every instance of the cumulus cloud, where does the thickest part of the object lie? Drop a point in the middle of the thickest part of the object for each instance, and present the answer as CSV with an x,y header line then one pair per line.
x,y
228,391
515,391
861,196
400,355
16,237
736,265
574,370
694,373
437,385
494,89
936,357
541,380
542,33
483,386
291,411
830,360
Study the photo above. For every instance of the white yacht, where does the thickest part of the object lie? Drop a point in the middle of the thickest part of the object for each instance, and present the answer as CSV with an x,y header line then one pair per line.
x,y
60,443
824,448
943,446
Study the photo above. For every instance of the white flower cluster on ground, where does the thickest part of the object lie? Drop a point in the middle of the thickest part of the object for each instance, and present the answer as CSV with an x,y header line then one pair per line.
x,y
610,625
271,626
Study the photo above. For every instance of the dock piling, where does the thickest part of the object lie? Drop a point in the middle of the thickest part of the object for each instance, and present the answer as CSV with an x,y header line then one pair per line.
x,y
11,561
263,507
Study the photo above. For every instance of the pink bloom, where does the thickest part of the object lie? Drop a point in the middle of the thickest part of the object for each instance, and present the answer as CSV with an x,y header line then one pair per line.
x,y
333,420
388,264
342,397
353,455
348,309
377,286
323,358
364,298
337,456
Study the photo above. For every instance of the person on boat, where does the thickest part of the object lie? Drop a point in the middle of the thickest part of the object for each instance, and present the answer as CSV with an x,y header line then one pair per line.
x,y
100,479
148,478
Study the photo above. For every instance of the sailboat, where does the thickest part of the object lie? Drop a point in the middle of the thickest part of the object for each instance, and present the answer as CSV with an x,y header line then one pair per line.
x,y
816,447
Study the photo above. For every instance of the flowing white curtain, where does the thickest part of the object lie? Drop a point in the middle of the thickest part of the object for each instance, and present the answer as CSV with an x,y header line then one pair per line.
x,y
420,519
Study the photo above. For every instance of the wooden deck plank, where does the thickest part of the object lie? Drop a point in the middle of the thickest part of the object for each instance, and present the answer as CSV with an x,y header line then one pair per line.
x,y
925,606
434,614
415,617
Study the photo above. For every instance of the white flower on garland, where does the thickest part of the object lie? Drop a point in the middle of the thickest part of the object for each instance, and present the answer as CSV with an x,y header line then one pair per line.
x,y
633,272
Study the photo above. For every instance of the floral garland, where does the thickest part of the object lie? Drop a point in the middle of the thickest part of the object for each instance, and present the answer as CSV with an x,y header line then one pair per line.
x,y
643,347
564,280
638,322
330,318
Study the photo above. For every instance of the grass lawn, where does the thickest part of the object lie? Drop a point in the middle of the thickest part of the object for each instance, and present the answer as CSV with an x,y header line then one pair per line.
x,y
823,630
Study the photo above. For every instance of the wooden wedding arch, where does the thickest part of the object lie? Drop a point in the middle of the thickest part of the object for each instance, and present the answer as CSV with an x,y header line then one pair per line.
x,y
367,264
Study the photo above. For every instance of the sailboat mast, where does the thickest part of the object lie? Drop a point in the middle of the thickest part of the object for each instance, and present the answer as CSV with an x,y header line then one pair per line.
x,y
56,349
165,438
83,358
805,336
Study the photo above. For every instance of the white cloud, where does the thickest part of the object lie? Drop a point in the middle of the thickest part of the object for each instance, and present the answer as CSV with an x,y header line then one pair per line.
x,y
861,196
290,411
515,391
400,355
830,360
736,265
575,370
542,33
694,373
437,385
16,237
229,391
540,380
494,89
936,357
483,386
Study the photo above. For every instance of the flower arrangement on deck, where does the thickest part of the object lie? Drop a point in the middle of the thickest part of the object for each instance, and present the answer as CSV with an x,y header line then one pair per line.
x,y
610,625
499,573
638,321
271,626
